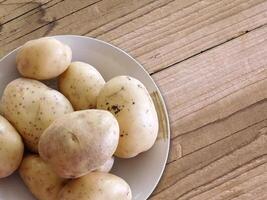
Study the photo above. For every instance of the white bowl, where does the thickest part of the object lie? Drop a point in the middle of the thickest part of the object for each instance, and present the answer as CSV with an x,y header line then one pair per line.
x,y
142,172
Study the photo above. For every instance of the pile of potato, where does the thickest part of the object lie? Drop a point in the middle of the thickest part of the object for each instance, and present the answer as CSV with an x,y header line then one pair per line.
x,y
71,135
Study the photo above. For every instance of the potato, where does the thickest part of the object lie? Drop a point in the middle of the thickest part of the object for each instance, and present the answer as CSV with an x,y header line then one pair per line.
x,y
39,177
11,148
43,58
81,84
130,102
79,142
96,186
31,107
107,166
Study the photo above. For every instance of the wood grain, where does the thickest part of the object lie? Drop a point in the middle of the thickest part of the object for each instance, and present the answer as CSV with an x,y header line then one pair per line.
x,y
209,59
218,111
158,33
10,9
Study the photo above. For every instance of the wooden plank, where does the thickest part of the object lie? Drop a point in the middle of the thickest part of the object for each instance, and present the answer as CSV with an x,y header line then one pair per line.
x,y
10,9
181,29
158,33
225,185
189,174
226,72
243,187
71,14
218,112
42,17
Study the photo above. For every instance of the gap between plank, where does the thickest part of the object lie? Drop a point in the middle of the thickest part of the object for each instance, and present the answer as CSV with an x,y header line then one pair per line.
x,y
12,19
55,20
210,48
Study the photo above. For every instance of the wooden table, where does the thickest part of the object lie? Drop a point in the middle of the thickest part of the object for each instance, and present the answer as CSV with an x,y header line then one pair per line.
x,y
209,59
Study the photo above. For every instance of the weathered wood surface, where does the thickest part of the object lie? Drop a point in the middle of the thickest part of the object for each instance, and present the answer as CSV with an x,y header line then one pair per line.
x,y
209,59
218,110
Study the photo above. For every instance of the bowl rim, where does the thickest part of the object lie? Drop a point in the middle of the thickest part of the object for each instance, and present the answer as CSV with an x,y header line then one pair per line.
x,y
163,104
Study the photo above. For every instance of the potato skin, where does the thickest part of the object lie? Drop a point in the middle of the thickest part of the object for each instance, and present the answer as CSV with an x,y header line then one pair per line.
x,y
96,186
11,148
131,104
31,107
39,177
43,58
79,142
107,166
81,84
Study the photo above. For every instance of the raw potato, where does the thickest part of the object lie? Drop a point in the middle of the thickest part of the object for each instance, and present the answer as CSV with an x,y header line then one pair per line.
x,y
79,142
96,186
107,166
39,177
81,84
43,58
11,148
130,102
31,107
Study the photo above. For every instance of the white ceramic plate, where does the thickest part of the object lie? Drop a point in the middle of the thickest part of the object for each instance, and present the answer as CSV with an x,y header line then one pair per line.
x,y
142,172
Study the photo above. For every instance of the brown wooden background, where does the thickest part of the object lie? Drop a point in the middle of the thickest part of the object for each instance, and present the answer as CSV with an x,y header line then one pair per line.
x,y
209,59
